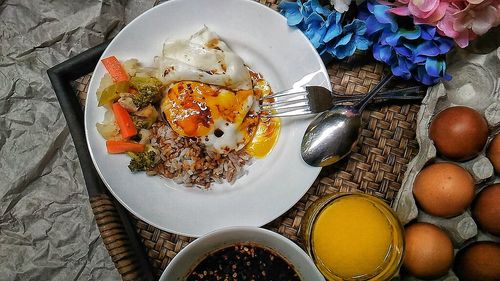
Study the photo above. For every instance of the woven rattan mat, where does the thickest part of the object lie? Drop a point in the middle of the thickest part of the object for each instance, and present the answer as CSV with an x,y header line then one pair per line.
x,y
376,167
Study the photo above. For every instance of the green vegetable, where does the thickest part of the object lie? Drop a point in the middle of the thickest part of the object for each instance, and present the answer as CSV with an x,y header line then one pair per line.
x,y
112,93
143,161
139,122
141,82
145,117
148,90
147,95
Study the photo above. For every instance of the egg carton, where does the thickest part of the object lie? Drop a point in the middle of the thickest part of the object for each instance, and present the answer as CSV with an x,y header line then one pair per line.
x,y
476,84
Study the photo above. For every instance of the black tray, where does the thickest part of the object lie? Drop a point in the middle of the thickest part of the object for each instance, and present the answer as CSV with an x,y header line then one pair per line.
x,y
61,77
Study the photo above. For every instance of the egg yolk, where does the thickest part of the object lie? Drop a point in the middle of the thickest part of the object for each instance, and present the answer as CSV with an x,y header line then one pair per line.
x,y
268,129
265,137
192,108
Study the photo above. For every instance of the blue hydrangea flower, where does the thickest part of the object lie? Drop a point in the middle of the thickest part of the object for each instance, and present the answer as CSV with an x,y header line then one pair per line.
x,y
298,13
352,39
323,28
412,51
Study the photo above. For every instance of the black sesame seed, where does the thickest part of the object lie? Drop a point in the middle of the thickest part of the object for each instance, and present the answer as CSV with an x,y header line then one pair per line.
x,y
244,262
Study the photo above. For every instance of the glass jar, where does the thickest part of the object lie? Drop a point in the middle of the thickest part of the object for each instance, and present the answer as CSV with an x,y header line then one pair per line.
x,y
353,236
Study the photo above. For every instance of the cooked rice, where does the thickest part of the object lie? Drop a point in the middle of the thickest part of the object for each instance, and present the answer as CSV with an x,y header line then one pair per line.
x,y
188,162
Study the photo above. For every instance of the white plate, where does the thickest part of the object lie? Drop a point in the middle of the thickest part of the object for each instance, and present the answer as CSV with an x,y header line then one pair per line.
x,y
273,184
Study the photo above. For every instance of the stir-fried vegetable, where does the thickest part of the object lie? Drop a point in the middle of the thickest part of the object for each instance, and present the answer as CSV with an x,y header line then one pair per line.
x,y
145,117
141,82
144,161
124,146
127,102
107,130
108,127
145,136
132,100
124,121
131,66
115,69
112,93
148,90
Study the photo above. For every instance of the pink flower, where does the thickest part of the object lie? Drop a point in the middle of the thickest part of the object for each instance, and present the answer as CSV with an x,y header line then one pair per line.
x,y
423,11
427,11
462,20
446,26
478,17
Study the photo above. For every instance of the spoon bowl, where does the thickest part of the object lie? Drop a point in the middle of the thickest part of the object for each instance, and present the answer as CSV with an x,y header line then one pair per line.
x,y
324,130
333,134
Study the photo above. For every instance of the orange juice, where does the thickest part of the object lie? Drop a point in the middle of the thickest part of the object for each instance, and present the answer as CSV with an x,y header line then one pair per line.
x,y
353,237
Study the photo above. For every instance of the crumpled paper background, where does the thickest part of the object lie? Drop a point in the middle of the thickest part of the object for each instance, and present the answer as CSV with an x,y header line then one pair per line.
x,y
47,229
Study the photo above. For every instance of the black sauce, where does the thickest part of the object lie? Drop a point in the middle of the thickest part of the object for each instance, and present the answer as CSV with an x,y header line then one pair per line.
x,y
244,262
218,133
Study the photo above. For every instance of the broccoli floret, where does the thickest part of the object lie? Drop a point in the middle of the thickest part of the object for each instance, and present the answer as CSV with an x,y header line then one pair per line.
x,y
139,122
143,161
148,90
147,95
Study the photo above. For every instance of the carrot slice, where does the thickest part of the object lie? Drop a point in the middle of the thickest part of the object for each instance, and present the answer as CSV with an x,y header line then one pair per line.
x,y
115,69
124,121
124,146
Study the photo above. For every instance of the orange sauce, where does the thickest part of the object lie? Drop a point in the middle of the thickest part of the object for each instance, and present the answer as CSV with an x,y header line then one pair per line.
x,y
356,237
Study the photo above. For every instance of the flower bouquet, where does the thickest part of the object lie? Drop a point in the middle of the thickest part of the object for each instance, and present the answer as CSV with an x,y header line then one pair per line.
x,y
411,36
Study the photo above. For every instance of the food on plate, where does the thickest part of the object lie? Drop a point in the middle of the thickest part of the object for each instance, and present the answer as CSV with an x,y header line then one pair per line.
x,y
117,146
486,209
244,261
204,57
193,117
459,133
444,189
115,69
493,153
220,118
428,251
478,261
357,235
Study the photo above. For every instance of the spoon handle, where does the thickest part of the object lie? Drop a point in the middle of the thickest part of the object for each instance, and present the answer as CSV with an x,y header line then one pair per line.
x,y
362,103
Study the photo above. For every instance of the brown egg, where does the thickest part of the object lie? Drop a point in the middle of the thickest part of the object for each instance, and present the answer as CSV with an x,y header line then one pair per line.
x,y
479,261
444,189
459,132
494,153
428,251
486,209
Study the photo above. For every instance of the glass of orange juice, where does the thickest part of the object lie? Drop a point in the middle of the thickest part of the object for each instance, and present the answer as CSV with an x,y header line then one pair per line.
x,y
353,236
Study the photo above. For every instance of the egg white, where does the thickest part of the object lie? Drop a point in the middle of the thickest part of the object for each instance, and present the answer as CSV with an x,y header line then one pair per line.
x,y
205,58
231,139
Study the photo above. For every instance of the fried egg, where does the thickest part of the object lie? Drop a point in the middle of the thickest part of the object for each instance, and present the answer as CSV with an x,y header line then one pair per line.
x,y
217,115
210,94
203,58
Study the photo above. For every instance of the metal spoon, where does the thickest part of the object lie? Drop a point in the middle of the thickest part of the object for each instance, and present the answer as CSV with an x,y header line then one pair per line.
x,y
334,133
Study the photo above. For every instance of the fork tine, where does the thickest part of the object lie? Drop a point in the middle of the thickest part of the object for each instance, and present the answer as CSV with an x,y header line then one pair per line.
x,y
285,110
295,112
294,100
293,91
285,105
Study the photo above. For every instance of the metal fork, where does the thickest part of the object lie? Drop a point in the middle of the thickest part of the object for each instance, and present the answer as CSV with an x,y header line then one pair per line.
x,y
316,99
